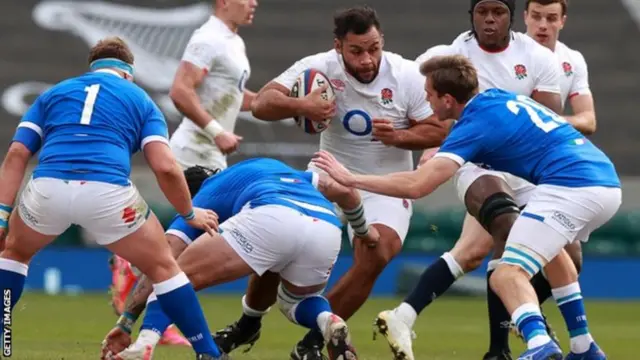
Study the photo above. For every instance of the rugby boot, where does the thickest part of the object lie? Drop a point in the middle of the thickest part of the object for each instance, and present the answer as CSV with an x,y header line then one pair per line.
x,y
398,334
209,357
594,353
336,335
548,351
500,356
172,336
233,336
309,348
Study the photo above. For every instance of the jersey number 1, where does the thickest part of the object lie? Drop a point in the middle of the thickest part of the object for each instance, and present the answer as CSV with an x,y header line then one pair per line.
x,y
89,102
537,113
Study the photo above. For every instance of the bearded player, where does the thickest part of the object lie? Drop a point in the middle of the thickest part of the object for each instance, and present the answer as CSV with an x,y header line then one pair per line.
x,y
208,90
511,61
378,116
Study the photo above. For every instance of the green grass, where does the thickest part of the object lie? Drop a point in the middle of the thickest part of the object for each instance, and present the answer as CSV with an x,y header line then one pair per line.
x,y
72,327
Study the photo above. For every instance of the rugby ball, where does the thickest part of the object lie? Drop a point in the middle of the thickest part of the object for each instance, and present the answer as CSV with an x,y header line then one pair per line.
x,y
306,82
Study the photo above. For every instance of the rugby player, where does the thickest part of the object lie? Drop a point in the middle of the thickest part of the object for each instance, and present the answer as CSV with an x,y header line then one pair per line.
x,y
273,218
505,60
86,129
209,90
378,116
578,190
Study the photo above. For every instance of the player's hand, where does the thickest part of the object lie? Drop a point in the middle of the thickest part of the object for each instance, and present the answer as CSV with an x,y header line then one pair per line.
x,y
227,142
373,237
115,342
427,155
331,166
384,131
317,107
204,219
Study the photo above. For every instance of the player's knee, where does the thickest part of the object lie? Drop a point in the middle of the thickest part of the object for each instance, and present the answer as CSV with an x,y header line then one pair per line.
x,y
523,258
493,208
470,252
160,268
288,302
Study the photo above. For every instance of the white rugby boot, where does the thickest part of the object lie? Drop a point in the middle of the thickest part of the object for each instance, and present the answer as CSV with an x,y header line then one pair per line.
x,y
337,337
398,334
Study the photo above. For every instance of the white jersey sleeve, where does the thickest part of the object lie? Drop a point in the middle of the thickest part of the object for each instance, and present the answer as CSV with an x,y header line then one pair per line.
x,y
547,77
438,50
580,84
201,51
317,61
418,108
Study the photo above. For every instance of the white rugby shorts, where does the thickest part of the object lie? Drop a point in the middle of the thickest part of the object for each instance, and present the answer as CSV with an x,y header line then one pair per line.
x,y
191,148
556,216
276,238
470,172
392,212
107,212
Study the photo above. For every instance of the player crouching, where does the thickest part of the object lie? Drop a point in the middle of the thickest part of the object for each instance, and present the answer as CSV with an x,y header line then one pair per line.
x,y
275,219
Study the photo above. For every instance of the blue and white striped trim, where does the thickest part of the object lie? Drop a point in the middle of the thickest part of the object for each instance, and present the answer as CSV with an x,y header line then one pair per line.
x,y
32,126
569,298
5,212
153,138
179,234
451,156
518,257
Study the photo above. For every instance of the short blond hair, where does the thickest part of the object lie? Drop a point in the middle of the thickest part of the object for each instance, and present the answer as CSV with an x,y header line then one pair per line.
x,y
111,48
453,75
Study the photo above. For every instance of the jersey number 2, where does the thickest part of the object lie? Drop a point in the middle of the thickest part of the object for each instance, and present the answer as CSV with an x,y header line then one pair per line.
x,y
89,102
537,113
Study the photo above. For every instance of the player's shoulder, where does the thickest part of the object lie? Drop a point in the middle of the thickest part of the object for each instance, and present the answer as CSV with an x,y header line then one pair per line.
x,y
437,50
397,61
211,32
528,45
572,55
329,57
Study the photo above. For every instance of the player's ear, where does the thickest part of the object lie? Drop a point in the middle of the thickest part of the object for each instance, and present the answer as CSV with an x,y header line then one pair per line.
x,y
337,44
563,20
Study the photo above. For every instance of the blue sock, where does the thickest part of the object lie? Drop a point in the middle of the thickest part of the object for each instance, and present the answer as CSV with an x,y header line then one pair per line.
x,y
155,319
569,300
179,301
12,277
529,321
307,311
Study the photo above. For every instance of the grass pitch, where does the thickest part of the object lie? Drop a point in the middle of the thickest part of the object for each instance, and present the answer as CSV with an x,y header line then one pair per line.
x,y
72,327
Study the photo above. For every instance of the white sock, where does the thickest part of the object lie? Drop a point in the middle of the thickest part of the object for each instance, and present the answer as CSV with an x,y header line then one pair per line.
x,y
406,314
323,319
525,311
252,312
148,337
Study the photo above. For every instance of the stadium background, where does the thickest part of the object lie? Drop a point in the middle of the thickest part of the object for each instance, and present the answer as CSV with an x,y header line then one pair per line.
x,y
47,41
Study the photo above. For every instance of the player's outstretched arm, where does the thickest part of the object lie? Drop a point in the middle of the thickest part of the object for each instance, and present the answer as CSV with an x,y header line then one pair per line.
x,y
409,184
174,186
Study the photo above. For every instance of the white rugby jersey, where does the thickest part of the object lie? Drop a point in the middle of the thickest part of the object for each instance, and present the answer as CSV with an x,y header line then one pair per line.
x,y
523,67
221,54
574,79
396,94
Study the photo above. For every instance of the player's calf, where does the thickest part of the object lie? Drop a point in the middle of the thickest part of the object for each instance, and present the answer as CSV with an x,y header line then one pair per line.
x,y
313,311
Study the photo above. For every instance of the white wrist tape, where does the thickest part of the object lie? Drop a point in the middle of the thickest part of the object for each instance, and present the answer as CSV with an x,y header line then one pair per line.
x,y
213,128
